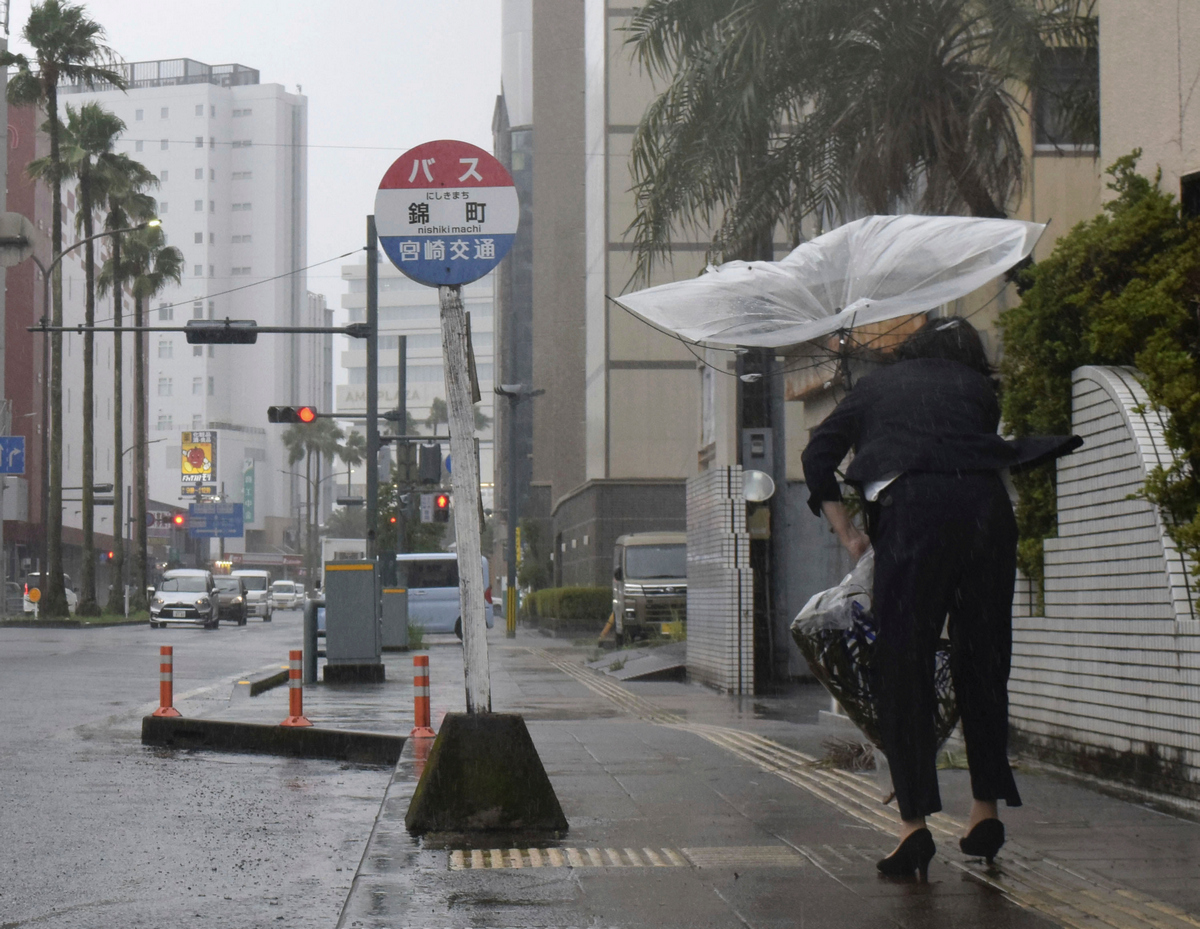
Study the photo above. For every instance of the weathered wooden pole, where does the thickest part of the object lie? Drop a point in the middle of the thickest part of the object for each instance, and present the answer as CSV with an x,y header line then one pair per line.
x,y
464,483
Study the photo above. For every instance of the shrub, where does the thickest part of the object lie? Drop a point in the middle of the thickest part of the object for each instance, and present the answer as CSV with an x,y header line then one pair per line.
x,y
1119,289
569,603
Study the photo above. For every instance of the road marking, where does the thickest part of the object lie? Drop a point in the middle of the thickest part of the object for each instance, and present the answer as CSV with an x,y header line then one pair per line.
x,y
767,856
1024,876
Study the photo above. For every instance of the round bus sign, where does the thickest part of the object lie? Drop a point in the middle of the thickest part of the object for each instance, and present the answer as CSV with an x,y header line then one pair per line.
x,y
446,213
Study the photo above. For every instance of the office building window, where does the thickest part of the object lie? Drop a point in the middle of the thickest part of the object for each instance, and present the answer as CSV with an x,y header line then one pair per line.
x,y
245,112
241,239
212,206
164,349
212,174
211,382
212,238
241,271
199,238
212,270
214,112
165,425
199,270
244,143
212,141
1066,110
163,144
165,176
197,421
165,113
199,109
198,308
242,175
199,141
197,386
137,114
210,355
241,208
139,145
199,174
164,387
197,351
166,312
163,207
212,308
199,206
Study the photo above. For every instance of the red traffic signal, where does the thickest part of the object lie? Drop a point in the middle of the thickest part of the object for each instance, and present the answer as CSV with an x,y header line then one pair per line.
x,y
291,414
392,520
441,508
179,520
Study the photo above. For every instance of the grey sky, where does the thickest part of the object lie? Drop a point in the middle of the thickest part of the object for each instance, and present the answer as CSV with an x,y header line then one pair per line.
x,y
380,77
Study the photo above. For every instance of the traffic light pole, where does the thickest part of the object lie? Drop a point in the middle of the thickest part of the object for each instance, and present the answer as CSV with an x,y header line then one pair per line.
x,y
372,386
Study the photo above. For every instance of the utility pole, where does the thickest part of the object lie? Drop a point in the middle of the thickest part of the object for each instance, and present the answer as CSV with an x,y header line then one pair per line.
x,y
372,386
403,449
514,393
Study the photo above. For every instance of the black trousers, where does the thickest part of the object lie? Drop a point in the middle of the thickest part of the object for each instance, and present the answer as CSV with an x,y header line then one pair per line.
x,y
945,545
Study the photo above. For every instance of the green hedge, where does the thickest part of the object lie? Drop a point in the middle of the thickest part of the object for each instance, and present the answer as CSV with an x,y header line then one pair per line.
x,y
569,603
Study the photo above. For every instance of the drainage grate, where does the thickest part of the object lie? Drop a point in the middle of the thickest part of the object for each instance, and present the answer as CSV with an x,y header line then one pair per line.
x,y
752,856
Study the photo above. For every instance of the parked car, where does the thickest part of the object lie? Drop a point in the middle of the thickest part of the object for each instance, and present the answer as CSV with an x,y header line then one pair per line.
x,y
258,592
186,597
35,580
432,582
286,595
649,583
231,598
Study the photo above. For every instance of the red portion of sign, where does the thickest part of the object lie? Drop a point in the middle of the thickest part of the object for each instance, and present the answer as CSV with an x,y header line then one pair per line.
x,y
445,163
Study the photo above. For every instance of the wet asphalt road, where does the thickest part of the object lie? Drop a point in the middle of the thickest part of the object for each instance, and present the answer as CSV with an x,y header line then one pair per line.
x,y
97,831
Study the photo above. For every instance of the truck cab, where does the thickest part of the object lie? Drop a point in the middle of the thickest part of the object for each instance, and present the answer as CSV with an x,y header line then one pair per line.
x,y
649,584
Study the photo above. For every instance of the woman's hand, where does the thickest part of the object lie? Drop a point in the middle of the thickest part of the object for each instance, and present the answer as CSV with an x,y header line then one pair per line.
x,y
853,539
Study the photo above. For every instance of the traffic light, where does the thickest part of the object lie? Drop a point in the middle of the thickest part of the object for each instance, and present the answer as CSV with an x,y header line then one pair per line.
x,y
179,520
221,332
291,414
441,508
429,463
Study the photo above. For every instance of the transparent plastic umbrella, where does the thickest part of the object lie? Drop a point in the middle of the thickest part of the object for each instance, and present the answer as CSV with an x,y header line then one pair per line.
x,y
866,271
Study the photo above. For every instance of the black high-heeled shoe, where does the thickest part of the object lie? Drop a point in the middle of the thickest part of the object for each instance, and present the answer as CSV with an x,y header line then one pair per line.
x,y
914,854
984,840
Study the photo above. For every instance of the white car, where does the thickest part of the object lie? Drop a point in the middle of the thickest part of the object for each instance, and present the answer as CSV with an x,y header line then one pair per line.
x,y
186,597
258,592
286,595
35,580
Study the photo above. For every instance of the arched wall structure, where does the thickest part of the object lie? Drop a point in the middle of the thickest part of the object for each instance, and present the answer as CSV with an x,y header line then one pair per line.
x,y
1108,680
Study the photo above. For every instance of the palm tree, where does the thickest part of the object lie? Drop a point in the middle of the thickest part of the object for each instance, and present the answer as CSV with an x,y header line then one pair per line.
x,y
67,46
351,453
90,133
124,181
786,110
320,440
151,266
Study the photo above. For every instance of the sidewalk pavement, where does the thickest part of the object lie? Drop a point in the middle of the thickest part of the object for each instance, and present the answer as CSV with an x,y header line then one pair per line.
x,y
692,809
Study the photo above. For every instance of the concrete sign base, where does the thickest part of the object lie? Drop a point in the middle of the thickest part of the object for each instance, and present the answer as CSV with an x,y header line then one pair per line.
x,y
484,775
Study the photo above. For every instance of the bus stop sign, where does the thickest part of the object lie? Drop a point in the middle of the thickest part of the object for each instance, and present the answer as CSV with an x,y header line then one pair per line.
x,y
446,213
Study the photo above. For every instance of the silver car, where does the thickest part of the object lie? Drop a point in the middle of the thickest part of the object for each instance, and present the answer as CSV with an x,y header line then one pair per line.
x,y
186,597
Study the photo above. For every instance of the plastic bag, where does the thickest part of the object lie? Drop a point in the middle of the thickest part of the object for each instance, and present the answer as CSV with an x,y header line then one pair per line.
x,y
835,631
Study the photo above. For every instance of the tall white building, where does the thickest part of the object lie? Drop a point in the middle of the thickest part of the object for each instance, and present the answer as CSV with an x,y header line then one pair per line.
x,y
411,309
231,157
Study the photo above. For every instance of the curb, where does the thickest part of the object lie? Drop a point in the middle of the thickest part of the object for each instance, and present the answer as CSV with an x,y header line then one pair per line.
x,y
296,742
64,624
255,684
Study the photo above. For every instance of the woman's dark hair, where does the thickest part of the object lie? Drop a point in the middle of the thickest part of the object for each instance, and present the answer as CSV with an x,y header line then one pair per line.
x,y
951,338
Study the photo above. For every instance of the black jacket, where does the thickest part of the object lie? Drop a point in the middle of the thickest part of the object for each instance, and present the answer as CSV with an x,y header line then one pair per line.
x,y
927,414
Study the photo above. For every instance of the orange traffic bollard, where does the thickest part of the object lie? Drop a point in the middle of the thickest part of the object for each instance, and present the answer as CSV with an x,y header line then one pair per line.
x,y
421,727
166,682
295,691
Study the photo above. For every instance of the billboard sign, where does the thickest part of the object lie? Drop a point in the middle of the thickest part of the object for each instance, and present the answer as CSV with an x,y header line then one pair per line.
x,y
198,460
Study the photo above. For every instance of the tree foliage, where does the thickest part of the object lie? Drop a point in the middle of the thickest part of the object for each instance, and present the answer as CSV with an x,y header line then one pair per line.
x,y
1120,289
777,110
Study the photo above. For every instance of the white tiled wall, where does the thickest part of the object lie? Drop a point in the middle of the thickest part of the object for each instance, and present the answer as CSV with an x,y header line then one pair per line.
x,y
720,606
1114,665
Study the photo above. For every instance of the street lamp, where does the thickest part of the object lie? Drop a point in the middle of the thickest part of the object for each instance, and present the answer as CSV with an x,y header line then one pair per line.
x,y
46,272
514,393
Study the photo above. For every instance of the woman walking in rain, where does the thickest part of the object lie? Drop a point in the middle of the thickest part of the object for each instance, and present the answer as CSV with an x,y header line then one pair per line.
x,y
928,461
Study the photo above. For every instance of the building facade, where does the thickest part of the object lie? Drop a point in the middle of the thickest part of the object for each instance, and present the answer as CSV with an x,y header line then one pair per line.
x,y
230,155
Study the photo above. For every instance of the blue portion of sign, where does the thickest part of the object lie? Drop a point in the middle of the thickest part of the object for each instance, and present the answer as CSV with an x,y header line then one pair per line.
x,y
215,520
12,454
446,260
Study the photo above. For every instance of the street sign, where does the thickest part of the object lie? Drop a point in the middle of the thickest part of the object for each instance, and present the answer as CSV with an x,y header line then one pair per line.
x,y
215,520
248,489
446,212
12,454
426,508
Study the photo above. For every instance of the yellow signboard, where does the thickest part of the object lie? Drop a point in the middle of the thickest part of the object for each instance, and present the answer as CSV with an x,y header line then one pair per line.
x,y
198,463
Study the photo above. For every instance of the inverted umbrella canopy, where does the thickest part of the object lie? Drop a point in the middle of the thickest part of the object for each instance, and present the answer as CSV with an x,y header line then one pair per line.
x,y
866,271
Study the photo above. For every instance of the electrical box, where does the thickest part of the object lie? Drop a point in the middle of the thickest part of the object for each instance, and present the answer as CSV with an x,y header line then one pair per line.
x,y
352,628
395,618
757,454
